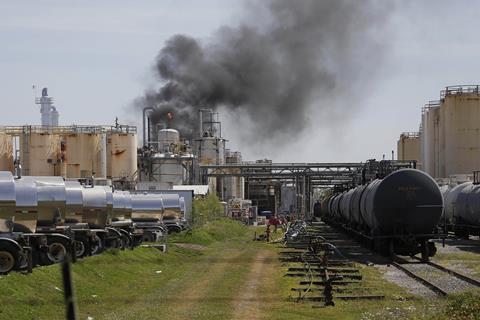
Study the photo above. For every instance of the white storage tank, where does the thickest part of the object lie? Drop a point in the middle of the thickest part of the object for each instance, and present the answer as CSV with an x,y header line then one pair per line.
x,y
167,170
211,150
121,155
168,141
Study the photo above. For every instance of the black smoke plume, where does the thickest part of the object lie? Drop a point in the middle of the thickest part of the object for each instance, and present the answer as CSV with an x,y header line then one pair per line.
x,y
275,67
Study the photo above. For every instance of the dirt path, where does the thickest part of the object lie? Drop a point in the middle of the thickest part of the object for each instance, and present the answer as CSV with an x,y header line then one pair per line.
x,y
253,295
191,299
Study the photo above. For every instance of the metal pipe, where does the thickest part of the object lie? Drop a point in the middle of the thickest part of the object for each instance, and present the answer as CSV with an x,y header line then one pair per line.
x,y
145,141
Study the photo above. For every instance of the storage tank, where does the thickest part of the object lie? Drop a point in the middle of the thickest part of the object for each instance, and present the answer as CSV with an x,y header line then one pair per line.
x,y
211,150
40,153
6,152
26,210
7,201
121,155
167,170
461,117
406,201
86,154
234,187
147,206
51,194
74,196
408,146
168,141
431,135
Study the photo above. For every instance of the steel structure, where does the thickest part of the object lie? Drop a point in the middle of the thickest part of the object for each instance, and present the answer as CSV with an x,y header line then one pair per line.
x,y
306,176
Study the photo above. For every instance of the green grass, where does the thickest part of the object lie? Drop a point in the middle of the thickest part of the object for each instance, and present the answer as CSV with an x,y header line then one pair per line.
x,y
129,285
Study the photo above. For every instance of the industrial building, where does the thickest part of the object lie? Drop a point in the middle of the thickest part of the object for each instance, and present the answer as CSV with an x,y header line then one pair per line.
x,y
449,134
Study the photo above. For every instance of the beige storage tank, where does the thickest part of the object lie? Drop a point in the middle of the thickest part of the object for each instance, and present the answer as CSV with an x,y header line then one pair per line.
x,y
461,139
6,152
431,131
408,146
86,155
121,155
40,153
233,186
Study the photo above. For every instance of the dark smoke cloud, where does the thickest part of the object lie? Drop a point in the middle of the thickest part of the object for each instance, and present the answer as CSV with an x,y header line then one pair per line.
x,y
275,67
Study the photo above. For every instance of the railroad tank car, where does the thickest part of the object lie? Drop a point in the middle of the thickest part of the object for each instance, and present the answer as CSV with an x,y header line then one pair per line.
x,y
462,209
399,212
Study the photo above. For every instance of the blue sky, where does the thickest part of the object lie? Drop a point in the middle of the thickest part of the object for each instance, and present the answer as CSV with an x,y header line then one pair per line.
x,y
96,57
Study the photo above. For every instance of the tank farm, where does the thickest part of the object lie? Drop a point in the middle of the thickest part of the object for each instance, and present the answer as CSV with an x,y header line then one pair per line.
x,y
71,192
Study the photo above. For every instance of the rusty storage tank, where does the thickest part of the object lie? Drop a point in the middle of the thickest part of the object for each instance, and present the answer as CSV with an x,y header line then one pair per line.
x,y
86,154
7,201
6,152
94,207
74,207
431,138
40,152
26,209
121,155
148,206
52,200
461,117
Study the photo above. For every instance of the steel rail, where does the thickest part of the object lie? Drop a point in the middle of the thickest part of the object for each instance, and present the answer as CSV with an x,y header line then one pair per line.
x,y
420,279
453,273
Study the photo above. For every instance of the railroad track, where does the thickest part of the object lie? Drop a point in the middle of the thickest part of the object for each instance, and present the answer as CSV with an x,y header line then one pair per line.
x,y
437,278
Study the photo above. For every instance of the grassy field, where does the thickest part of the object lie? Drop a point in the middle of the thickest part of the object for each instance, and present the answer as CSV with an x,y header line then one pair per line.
x,y
214,272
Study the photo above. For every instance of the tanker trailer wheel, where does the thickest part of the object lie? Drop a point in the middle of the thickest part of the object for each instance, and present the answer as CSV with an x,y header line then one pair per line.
x,y
80,248
9,258
97,245
57,249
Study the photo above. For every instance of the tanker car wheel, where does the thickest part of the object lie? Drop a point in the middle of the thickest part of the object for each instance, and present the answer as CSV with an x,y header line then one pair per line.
x,y
9,258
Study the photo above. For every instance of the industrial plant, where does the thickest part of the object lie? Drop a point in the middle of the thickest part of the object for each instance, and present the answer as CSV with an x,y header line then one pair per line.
x,y
244,181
